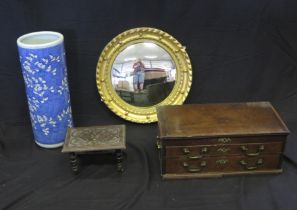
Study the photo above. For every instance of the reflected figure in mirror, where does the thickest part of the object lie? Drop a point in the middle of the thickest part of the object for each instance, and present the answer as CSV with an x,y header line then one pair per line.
x,y
138,78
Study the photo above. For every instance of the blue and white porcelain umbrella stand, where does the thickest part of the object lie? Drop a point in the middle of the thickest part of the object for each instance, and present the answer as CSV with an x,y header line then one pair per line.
x,y
42,58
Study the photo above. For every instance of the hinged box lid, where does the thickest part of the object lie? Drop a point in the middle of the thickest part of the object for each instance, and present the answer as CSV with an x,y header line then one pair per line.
x,y
213,120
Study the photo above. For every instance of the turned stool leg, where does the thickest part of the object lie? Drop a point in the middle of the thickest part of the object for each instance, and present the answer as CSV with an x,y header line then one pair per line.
x,y
119,157
74,162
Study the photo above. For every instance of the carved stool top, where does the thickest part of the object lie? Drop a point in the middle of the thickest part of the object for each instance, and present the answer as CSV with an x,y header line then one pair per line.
x,y
95,138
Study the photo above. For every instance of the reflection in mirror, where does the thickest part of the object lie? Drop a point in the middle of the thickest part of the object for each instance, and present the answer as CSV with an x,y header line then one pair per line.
x,y
143,74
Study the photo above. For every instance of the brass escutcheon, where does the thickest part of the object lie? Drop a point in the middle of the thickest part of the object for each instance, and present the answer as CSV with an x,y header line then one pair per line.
x,y
223,149
224,140
222,162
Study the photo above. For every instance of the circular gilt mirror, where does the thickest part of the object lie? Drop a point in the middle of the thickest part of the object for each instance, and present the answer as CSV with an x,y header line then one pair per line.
x,y
140,69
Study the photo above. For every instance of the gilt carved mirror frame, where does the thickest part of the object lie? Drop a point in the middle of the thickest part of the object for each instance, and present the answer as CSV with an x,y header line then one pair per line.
x,y
177,52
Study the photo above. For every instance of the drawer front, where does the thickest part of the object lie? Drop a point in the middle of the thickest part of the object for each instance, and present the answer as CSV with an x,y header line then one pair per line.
x,y
249,150
221,164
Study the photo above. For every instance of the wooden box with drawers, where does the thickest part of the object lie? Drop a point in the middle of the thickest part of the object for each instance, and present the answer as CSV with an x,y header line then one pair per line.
x,y
213,140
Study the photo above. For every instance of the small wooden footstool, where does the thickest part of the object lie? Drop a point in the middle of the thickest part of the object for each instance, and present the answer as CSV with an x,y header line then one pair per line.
x,y
95,139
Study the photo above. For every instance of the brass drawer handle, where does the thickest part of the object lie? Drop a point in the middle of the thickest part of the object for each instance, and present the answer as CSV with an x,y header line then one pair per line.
x,y
245,150
204,150
159,144
245,164
186,150
195,157
193,168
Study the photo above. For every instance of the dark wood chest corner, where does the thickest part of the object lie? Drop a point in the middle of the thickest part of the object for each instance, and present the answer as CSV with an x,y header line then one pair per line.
x,y
214,140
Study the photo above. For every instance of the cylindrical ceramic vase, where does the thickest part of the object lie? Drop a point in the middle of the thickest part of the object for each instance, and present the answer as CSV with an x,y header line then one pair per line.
x,y
42,58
